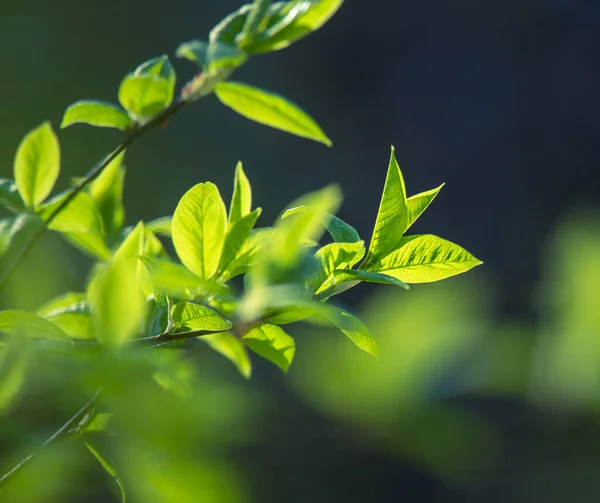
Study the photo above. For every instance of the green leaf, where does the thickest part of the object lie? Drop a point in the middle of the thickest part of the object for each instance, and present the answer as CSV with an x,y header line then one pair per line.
x,y
9,196
281,15
211,55
241,201
79,222
418,203
160,226
425,258
392,217
37,165
14,360
67,302
236,236
16,234
160,67
144,96
272,343
227,30
291,314
177,280
334,257
133,244
368,277
191,317
16,322
290,26
246,256
255,22
75,325
199,227
107,193
103,459
270,109
354,329
231,348
118,304
96,113
340,231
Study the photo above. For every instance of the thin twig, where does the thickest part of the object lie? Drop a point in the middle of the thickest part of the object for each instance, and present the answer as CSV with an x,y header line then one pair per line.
x,y
63,431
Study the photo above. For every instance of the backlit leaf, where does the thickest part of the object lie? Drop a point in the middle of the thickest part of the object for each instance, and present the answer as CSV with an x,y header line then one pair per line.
x,y
354,329
96,113
232,348
17,322
9,196
270,109
188,316
418,203
241,201
272,343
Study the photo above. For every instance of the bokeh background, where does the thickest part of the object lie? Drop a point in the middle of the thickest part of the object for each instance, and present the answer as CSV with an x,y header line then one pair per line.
x,y
488,388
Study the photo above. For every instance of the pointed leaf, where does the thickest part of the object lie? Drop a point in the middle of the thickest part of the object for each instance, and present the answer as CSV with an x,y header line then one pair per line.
x,y
188,317
16,322
14,360
211,55
160,226
199,227
335,257
236,236
37,164
392,217
67,302
246,255
255,22
102,458
270,109
9,196
418,203
144,96
16,234
118,304
161,67
227,30
231,348
425,258
368,277
241,201
354,329
340,231
96,113
301,25
272,343
177,280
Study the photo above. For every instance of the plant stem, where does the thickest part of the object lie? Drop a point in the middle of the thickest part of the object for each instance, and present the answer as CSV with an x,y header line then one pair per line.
x,y
94,173
65,430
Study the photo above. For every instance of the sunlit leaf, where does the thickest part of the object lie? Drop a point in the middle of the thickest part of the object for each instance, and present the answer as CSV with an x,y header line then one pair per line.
x,y
392,217
118,304
272,343
102,458
246,255
16,322
37,165
334,257
96,113
237,235
241,201
354,329
199,227
340,231
160,226
144,96
418,203
188,316
211,55
232,348
270,109
425,258
227,30
255,22
67,302
14,360
290,26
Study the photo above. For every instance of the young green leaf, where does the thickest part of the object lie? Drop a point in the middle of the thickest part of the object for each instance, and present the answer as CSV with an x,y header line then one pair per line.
x,y
160,226
236,236
290,314
272,343
67,302
335,257
177,280
241,201
96,113
107,193
418,203
392,217
289,26
9,196
75,325
270,109
159,66
190,317
340,231
17,322
199,228
227,30
14,360
37,164
255,22
354,329
246,256
102,458
231,348
132,245
118,304
144,96
211,55
423,259
280,16
16,234
368,277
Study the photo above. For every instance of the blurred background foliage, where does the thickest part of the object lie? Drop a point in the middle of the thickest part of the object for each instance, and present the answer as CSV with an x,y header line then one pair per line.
x,y
487,388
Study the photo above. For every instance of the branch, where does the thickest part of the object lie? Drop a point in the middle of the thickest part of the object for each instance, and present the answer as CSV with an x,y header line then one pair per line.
x,y
64,431
94,173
